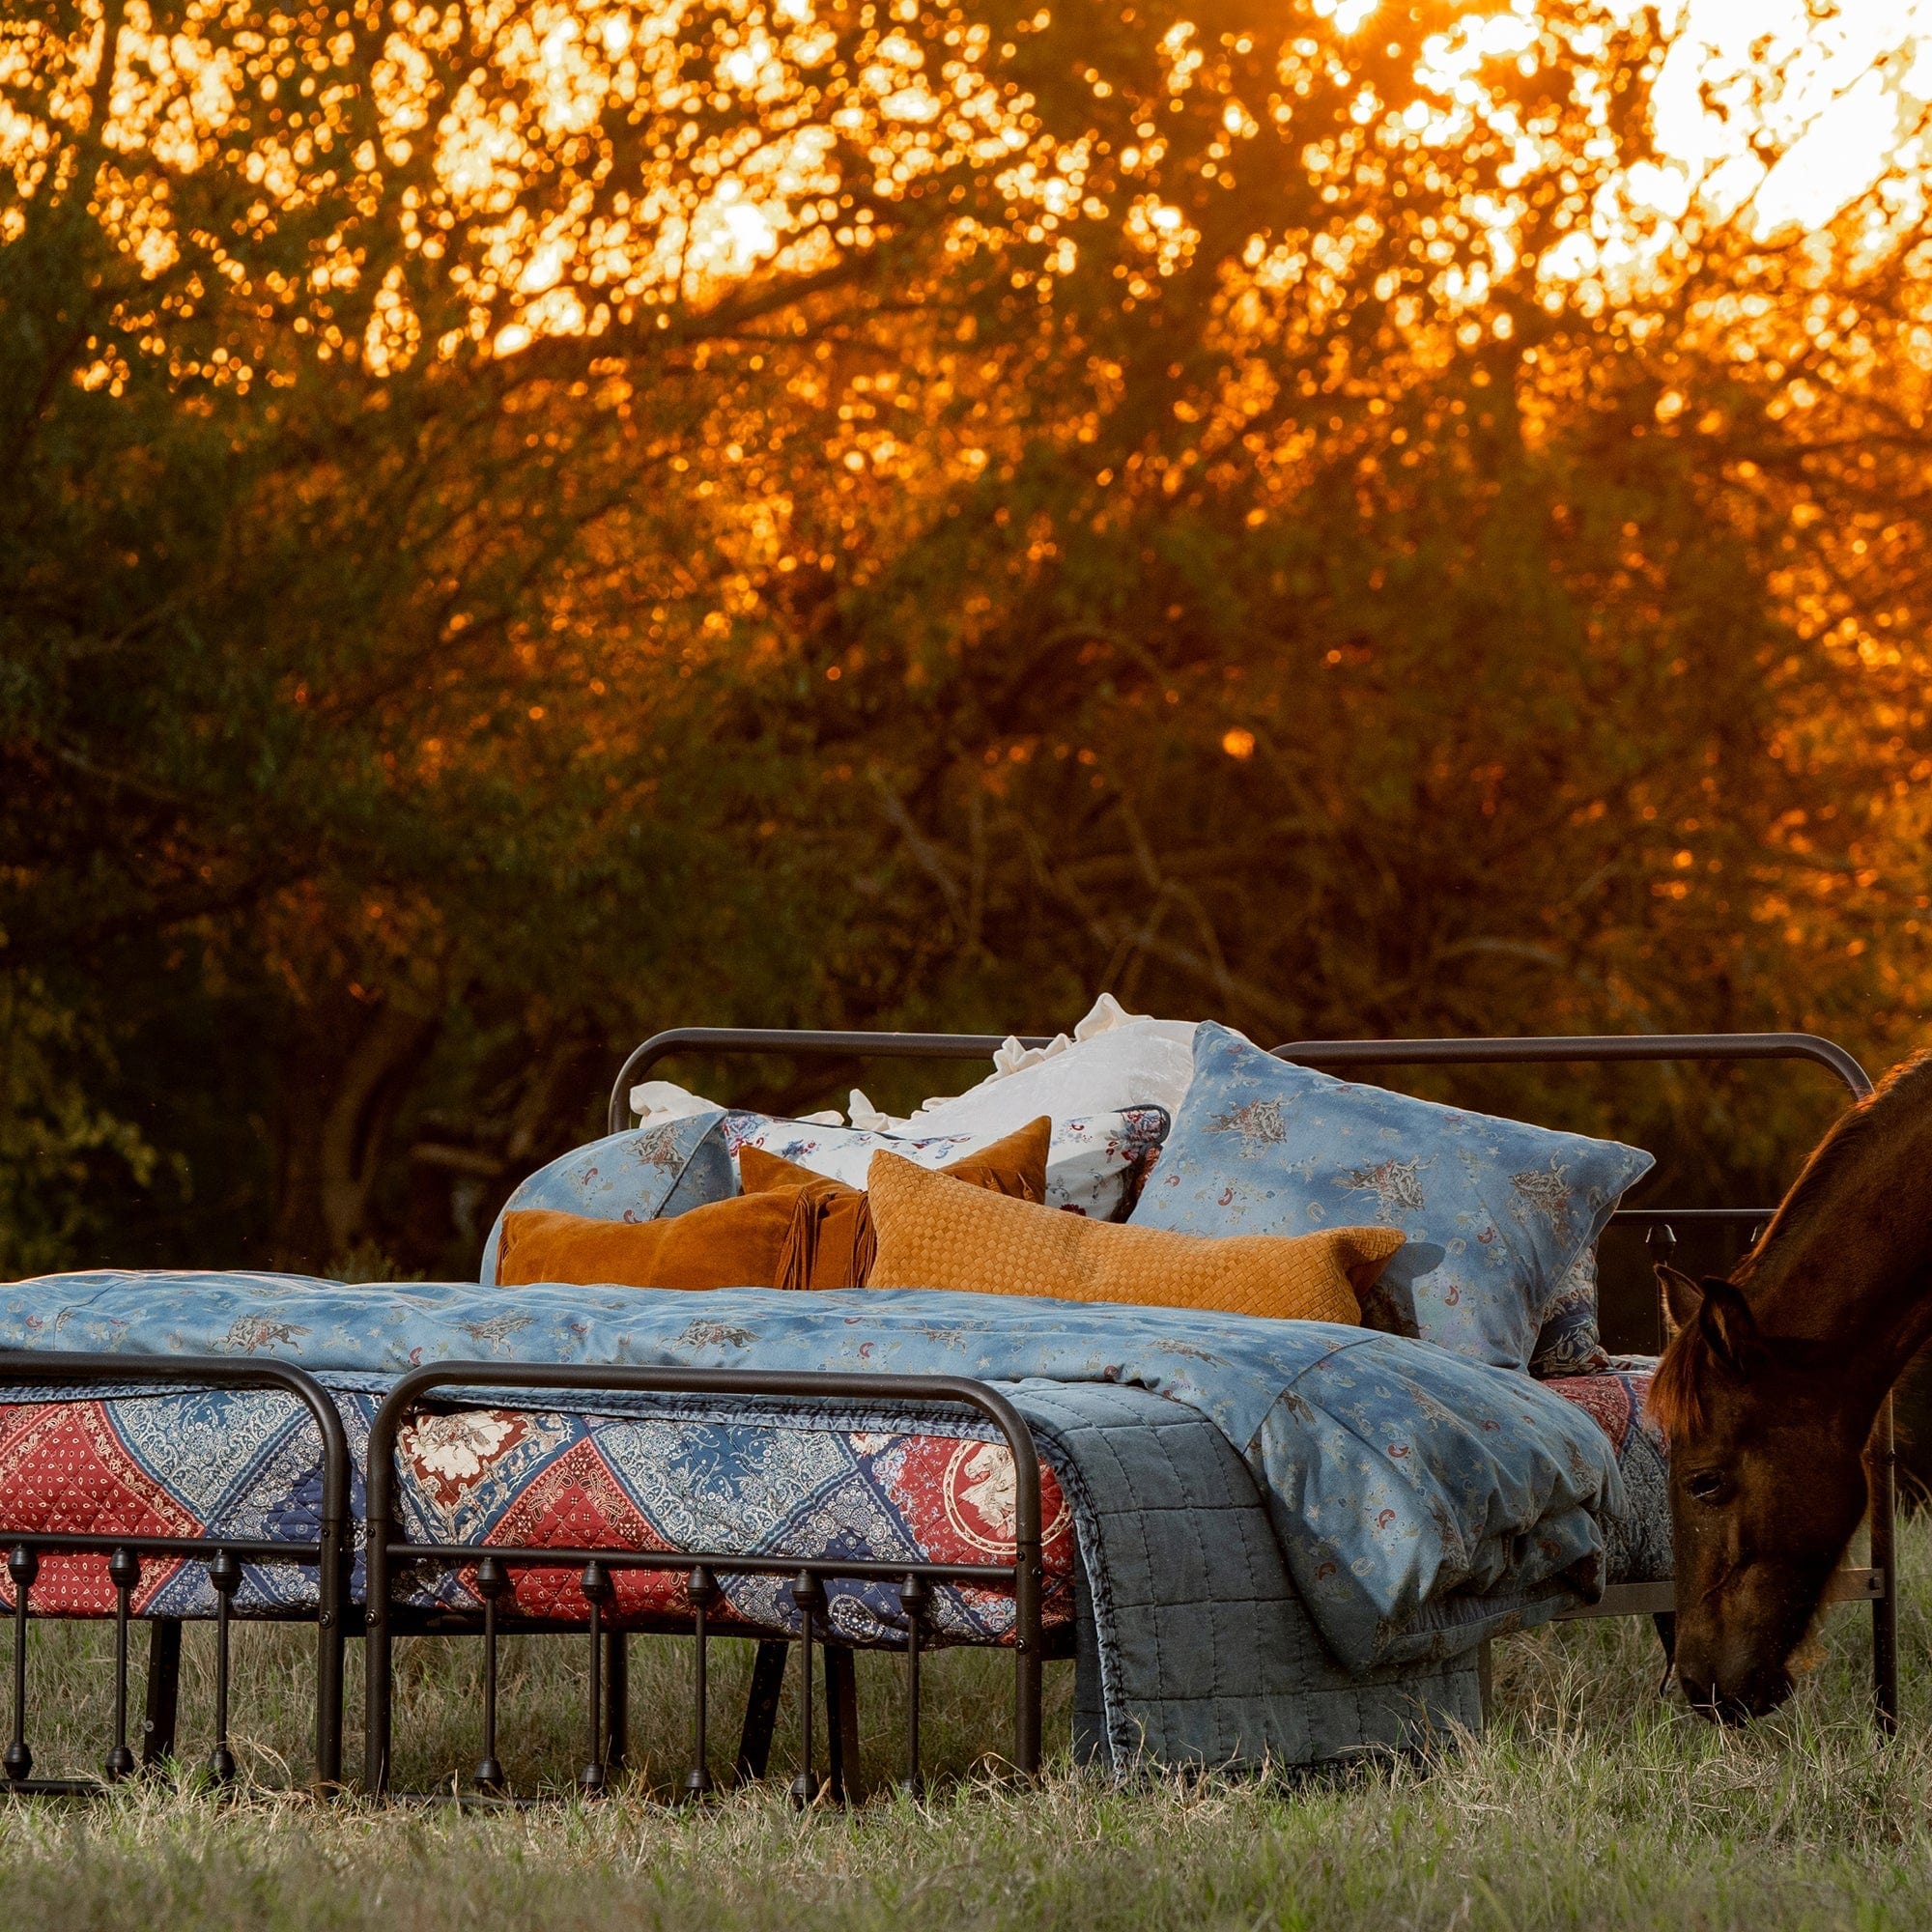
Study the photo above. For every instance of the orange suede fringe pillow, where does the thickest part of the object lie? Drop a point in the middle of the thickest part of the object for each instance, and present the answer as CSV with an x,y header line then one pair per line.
x,y
933,1232
789,1229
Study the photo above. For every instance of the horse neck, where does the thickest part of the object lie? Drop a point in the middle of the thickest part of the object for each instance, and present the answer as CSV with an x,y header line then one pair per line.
x,y
1849,1264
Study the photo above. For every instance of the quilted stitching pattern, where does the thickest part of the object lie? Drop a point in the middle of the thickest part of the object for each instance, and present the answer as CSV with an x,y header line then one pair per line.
x,y
1193,1645
675,1479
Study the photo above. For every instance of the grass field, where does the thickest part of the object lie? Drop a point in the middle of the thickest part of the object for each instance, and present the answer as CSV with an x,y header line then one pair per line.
x,y
1591,1803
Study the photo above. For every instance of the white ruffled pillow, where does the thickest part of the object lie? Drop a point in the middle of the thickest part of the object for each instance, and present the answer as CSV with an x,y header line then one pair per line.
x,y
1106,1091
1115,1060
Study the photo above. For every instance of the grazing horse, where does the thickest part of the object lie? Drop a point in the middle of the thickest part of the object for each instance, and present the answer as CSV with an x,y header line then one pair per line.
x,y
1771,1385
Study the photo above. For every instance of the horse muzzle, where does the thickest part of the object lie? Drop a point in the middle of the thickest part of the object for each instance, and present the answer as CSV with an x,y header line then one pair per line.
x,y
1753,1695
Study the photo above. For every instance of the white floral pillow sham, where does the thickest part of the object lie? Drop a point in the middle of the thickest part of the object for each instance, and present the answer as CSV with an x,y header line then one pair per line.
x,y
1094,1163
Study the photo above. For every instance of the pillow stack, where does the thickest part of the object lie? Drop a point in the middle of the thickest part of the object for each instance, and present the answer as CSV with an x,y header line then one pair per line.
x,y
1278,1191
789,1229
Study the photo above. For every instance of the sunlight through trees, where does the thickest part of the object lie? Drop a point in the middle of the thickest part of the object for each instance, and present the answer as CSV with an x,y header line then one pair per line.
x,y
525,523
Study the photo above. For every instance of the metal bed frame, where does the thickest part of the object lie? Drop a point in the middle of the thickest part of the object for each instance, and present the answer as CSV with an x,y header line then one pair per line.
x,y
1870,1584
810,1575
391,1557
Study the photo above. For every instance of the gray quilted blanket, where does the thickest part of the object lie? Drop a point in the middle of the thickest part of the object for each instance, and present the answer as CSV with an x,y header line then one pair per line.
x,y
1193,1646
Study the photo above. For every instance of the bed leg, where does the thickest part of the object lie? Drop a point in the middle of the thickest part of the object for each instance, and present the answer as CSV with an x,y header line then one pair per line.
x,y
761,1709
616,1699
1486,1676
157,1724
842,1722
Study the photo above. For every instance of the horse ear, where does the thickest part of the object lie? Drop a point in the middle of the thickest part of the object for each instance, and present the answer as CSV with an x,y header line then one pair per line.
x,y
1729,1326
1681,1297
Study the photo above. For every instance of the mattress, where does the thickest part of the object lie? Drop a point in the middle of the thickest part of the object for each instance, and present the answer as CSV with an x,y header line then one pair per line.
x,y
757,1477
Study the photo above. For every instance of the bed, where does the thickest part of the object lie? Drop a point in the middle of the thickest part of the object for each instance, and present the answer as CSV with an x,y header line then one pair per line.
x,y
828,1483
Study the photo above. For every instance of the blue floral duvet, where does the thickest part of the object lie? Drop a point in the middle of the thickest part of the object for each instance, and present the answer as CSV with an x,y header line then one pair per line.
x,y
1421,1501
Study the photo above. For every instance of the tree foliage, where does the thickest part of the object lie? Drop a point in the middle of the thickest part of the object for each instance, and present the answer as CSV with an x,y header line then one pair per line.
x,y
527,523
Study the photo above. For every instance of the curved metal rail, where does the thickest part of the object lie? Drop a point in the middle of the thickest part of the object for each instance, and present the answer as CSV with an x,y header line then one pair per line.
x,y
779,1040
1558,1049
1551,1049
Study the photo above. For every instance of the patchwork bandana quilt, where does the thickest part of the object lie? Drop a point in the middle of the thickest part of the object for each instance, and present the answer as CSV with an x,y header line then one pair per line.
x,y
760,1481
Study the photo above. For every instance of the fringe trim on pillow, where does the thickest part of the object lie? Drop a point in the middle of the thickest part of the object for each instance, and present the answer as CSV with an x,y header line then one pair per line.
x,y
799,1255
865,1244
805,1261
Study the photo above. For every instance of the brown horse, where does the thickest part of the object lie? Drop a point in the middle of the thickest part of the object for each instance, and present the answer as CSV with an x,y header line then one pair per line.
x,y
1771,1385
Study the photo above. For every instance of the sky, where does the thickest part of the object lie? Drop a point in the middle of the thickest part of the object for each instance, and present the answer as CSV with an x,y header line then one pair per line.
x,y
1849,83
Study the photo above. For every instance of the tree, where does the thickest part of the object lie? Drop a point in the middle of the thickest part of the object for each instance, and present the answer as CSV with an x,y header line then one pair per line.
x,y
528,523
1383,620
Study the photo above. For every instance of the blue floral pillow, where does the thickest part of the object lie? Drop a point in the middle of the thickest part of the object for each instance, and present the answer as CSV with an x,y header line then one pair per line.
x,y
1570,1342
1497,1211
645,1174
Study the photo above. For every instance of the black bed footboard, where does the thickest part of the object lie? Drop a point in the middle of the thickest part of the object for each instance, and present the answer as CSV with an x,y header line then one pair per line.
x,y
389,1554
329,1554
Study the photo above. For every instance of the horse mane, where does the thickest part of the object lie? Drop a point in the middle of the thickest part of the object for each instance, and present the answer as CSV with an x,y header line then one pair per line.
x,y
1908,1087
1676,1400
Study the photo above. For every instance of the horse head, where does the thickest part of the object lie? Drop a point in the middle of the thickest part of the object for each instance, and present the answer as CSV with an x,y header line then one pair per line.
x,y
1767,1485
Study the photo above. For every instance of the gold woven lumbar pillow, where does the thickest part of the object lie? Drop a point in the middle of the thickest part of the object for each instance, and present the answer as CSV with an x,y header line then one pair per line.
x,y
934,1231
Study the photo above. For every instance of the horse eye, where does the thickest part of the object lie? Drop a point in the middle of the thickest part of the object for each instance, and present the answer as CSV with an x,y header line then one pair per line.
x,y
1706,1485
